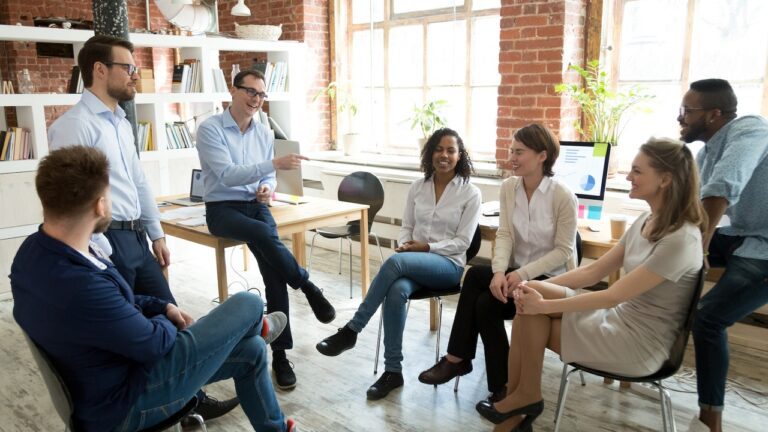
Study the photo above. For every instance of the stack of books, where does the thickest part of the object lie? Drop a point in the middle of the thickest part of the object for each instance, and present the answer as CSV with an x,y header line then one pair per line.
x,y
145,136
178,136
187,77
219,82
14,144
275,76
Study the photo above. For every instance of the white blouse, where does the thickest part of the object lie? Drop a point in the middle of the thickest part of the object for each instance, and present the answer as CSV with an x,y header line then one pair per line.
x,y
448,225
533,222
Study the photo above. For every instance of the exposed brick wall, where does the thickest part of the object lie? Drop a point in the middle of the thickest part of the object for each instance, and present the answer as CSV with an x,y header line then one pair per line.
x,y
538,40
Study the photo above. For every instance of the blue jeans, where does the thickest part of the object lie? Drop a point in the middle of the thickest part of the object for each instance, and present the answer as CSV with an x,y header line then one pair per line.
x,y
252,222
401,275
224,344
740,291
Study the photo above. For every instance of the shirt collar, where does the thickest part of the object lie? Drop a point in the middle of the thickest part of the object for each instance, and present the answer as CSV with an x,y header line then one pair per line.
x,y
96,106
544,186
455,180
229,122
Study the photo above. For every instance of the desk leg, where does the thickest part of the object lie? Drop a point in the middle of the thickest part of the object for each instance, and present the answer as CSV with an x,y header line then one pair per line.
x,y
299,247
433,314
364,268
221,273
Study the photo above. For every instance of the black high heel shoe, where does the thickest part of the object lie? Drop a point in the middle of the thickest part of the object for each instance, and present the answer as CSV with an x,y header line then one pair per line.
x,y
530,412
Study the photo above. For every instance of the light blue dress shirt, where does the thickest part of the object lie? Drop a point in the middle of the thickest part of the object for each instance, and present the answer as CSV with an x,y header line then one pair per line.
x,y
733,166
91,123
234,163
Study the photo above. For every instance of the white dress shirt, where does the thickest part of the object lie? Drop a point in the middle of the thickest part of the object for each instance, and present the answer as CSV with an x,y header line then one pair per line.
x,y
533,222
447,225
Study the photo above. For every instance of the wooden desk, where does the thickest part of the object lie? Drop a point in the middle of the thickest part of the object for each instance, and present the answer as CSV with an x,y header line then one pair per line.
x,y
290,219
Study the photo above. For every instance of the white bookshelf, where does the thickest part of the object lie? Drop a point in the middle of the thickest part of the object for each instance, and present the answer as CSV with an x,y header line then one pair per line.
x,y
166,169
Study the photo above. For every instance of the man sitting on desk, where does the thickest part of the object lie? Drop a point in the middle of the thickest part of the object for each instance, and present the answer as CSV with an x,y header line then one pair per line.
x,y
734,175
237,158
129,361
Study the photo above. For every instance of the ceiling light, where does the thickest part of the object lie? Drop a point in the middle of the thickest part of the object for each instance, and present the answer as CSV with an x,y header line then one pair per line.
x,y
240,9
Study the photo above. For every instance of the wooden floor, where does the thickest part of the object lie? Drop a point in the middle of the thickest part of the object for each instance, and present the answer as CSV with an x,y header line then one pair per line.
x,y
330,395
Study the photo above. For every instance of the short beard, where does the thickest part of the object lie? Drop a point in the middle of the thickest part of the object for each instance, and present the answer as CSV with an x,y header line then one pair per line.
x,y
696,132
102,225
121,94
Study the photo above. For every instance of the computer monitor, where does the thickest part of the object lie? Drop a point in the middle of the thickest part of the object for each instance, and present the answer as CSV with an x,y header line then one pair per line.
x,y
583,166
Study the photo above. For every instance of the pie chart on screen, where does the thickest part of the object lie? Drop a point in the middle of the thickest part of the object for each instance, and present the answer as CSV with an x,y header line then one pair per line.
x,y
587,183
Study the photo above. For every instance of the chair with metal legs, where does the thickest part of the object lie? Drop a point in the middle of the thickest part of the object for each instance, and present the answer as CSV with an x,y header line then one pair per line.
x,y
361,188
425,293
62,400
668,368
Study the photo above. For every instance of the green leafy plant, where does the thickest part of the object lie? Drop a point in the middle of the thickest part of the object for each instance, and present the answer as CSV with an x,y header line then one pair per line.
x,y
343,98
428,117
603,109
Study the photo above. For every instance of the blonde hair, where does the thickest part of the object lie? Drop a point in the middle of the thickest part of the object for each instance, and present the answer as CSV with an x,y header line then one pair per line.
x,y
681,201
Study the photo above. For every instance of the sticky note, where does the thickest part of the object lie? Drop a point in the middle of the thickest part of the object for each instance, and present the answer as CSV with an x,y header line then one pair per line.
x,y
595,212
581,211
600,150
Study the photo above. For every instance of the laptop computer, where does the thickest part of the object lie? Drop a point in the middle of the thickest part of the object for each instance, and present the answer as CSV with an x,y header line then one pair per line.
x,y
195,191
290,183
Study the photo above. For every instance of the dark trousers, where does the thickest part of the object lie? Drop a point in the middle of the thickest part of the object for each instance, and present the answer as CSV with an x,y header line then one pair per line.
x,y
133,259
479,312
252,222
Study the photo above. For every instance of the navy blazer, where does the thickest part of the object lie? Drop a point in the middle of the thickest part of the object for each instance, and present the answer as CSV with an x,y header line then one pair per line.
x,y
102,339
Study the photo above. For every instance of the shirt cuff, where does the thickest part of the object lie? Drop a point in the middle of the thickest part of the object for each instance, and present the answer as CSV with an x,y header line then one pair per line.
x,y
154,230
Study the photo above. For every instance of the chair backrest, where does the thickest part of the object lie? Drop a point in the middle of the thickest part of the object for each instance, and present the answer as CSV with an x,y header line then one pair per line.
x,y
57,389
474,246
362,187
578,248
676,354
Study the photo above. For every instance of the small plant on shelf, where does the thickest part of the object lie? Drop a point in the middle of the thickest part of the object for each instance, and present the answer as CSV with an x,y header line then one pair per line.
x,y
344,103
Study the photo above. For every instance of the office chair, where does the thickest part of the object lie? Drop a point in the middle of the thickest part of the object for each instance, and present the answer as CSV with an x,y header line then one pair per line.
x,y
667,369
425,293
62,400
361,188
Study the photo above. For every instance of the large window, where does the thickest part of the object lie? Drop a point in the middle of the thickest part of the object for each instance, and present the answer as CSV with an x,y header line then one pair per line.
x,y
397,54
690,40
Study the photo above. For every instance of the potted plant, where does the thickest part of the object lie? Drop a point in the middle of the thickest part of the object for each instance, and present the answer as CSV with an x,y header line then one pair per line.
x,y
344,103
603,109
428,118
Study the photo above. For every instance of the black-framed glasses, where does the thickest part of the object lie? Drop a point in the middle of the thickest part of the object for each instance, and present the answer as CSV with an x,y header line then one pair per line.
x,y
131,69
686,110
252,92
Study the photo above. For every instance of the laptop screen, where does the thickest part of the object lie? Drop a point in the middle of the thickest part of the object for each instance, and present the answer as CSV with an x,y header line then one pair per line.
x,y
289,182
196,188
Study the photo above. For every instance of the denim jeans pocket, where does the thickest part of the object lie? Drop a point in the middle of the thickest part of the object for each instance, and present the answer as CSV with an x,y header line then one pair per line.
x,y
141,419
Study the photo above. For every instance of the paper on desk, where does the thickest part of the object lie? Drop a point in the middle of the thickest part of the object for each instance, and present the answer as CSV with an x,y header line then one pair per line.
x,y
183,213
193,222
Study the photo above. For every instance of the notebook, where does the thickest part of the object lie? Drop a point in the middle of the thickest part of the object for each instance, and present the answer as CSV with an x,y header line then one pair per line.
x,y
290,183
195,191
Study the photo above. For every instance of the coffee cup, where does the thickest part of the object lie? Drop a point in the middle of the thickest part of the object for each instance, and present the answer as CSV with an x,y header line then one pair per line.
x,y
618,226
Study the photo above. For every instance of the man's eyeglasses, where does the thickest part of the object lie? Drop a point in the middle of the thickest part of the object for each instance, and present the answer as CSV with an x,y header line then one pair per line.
x,y
131,69
252,92
686,110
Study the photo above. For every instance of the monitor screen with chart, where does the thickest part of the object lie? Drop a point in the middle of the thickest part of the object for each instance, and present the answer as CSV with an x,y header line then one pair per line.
x,y
583,166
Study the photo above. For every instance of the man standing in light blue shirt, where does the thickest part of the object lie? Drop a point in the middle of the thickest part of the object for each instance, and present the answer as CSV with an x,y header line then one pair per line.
x,y
109,75
734,182
237,158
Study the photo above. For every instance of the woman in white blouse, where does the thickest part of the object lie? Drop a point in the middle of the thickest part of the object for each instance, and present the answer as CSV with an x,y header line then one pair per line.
x,y
441,215
537,231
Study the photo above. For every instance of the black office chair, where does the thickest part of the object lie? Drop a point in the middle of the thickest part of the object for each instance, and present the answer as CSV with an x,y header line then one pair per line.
x,y
667,369
425,293
361,188
62,401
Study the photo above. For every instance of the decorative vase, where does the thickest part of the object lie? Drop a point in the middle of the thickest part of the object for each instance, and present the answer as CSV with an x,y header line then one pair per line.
x,y
352,144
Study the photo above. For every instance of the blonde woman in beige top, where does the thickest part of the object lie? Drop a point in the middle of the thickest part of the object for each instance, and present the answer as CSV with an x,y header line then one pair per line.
x,y
537,230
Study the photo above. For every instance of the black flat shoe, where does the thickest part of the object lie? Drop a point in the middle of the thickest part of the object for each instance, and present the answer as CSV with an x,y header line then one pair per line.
x,y
488,411
444,371
321,307
385,384
343,340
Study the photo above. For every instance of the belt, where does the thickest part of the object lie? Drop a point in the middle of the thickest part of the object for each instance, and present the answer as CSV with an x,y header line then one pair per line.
x,y
134,225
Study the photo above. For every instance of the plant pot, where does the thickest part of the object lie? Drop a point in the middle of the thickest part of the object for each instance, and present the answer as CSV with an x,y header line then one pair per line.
x,y
353,144
613,162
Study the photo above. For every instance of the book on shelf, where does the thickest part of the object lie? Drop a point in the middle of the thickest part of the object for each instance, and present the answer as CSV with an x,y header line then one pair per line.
x,y
178,136
178,74
219,82
145,136
75,81
15,144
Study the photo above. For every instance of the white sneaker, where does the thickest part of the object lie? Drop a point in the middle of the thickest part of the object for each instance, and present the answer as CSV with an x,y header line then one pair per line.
x,y
697,425
275,322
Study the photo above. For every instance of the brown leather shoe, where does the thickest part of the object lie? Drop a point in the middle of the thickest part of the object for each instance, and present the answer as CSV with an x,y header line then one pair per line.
x,y
444,371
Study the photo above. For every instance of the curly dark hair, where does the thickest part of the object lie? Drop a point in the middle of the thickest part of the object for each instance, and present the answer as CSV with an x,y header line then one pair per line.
x,y
464,166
